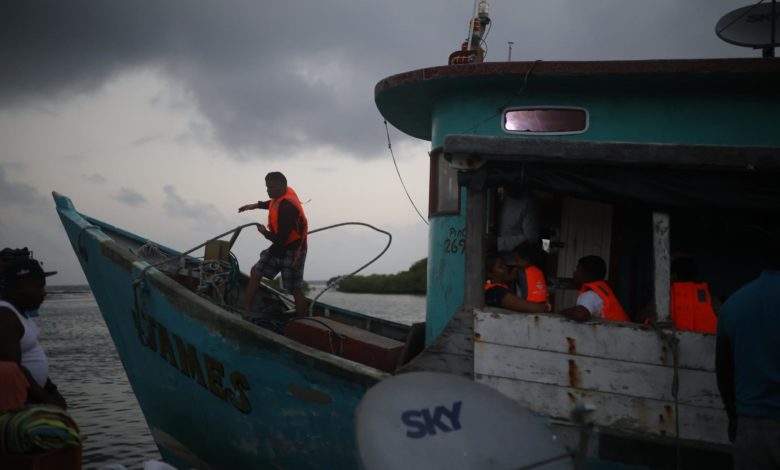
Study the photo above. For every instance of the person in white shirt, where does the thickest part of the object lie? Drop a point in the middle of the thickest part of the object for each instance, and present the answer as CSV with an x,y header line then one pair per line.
x,y
22,290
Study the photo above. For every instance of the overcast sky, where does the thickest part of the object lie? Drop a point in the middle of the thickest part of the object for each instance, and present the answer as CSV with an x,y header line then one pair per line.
x,y
162,117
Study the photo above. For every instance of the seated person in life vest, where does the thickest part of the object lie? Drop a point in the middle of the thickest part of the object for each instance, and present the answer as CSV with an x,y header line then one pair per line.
x,y
529,280
499,294
596,298
691,303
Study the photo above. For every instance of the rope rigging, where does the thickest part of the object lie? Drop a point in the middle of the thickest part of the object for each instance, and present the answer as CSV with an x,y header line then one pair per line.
x,y
215,275
390,147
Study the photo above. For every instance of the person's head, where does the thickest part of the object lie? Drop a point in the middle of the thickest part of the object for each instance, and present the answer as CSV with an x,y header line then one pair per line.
x,y
276,184
683,269
23,283
525,254
589,269
496,269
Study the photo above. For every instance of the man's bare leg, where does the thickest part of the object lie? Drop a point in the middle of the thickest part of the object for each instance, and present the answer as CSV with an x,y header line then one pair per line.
x,y
251,291
300,302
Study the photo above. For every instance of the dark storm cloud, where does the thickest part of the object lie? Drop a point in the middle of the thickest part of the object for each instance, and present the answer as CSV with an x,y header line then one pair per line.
x,y
130,197
270,77
22,195
277,77
204,214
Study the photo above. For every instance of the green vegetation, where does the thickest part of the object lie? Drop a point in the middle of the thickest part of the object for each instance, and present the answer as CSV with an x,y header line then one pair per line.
x,y
411,281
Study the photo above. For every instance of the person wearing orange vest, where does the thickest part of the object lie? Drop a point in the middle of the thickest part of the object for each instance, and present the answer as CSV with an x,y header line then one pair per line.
x,y
287,229
596,298
499,294
691,303
529,282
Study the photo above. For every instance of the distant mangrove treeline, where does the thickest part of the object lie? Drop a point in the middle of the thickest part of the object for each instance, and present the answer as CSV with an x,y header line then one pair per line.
x,y
411,281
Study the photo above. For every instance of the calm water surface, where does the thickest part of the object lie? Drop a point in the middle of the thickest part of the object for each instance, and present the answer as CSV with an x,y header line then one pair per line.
x,y
87,370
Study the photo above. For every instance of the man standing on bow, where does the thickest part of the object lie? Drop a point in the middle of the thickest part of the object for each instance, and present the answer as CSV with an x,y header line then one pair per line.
x,y
22,290
287,229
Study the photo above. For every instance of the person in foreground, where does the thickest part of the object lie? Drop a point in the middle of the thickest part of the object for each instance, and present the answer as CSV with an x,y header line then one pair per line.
x,y
596,298
747,364
498,292
22,290
287,229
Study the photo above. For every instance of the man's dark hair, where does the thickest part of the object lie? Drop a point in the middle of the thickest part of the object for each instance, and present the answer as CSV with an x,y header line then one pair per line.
x,y
684,268
533,252
276,176
526,250
594,266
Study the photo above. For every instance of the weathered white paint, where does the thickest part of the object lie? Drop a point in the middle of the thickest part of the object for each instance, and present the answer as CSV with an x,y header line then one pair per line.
x,y
620,414
661,265
614,376
627,341
550,364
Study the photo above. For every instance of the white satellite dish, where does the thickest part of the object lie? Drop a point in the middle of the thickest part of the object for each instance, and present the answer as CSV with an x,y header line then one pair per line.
x,y
429,420
751,26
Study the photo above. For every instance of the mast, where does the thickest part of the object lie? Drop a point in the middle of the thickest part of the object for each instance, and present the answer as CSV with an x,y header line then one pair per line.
x,y
471,51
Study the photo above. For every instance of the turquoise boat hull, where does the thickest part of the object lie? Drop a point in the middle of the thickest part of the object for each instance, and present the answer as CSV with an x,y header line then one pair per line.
x,y
217,391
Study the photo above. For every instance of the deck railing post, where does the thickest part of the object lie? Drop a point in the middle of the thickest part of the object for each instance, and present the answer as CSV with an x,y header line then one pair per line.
x,y
661,266
474,276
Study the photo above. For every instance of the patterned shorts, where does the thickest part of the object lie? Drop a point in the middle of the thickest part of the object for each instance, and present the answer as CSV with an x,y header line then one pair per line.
x,y
270,265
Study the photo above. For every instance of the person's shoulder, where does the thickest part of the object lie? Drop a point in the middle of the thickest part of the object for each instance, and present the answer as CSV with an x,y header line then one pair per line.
x,y
287,206
9,320
588,294
497,288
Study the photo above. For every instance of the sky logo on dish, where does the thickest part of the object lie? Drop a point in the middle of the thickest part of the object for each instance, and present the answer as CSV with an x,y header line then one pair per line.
x,y
421,423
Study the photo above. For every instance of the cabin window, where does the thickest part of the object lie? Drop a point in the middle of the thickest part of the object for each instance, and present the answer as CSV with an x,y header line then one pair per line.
x,y
546,120
444,197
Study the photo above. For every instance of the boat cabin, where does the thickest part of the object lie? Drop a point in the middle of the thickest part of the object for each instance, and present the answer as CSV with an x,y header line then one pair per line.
x,y
630,161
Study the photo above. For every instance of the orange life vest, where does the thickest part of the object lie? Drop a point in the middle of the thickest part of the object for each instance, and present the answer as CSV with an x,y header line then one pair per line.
x,y
612,308
692,307
301,227
490,284
532,284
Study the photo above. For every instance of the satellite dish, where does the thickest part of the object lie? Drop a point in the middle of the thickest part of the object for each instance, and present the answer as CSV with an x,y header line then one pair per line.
x,y
429,420
751,26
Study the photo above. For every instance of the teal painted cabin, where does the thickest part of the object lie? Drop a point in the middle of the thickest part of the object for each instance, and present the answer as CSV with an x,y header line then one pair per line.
x,y
633,161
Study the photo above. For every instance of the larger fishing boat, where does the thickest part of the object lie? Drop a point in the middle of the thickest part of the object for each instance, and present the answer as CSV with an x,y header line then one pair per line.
x,y
627,160
630,161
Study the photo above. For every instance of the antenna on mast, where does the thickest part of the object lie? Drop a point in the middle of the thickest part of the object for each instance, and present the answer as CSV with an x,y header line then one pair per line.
x,y
753,26
470,51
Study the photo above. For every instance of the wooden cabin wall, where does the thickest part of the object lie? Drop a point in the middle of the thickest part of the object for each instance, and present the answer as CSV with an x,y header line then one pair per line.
x,y
586,229
550,364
